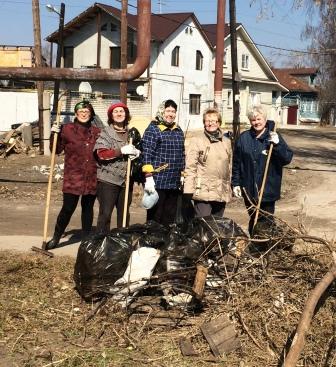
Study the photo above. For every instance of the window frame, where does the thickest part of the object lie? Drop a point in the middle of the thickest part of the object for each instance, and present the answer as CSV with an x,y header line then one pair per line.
x,y
68,62
175,56
195,104
115,63
199,60
245,61
229,101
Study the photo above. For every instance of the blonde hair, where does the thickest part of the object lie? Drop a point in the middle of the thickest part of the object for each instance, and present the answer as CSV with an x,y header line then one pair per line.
x,y
210,110
256,110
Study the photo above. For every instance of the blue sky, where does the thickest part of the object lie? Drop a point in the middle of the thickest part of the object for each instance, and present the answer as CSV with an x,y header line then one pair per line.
x,y
280,27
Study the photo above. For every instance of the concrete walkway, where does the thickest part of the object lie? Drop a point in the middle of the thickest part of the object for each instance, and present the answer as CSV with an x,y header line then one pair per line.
x,y
25,244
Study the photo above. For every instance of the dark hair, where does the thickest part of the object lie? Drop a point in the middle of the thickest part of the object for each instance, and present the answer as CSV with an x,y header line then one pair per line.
x,y
170,103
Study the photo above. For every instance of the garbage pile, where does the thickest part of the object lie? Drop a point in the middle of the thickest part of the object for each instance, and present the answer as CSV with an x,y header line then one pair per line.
x,y
123,262
18,140
58,171
254,296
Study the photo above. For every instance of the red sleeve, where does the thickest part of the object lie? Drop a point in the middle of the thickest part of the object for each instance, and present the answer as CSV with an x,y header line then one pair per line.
x,y
105,153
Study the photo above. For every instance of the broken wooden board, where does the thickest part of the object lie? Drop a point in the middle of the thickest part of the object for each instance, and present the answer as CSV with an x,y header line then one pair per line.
x,y
186,347
221,335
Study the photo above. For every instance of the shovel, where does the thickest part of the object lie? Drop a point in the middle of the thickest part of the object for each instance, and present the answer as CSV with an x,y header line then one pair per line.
x,y
52,165
127,184
261,193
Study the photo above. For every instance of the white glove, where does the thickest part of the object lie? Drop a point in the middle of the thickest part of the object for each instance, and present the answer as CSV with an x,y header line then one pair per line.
x,y
55,128
274,138
237,191
130,150
150,185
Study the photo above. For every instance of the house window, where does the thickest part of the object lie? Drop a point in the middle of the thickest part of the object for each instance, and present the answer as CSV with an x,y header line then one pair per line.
x,y
113,27
245,61
194,104
115,58
131,52
229,99
175,57
225,56
199,60
255,99
68,54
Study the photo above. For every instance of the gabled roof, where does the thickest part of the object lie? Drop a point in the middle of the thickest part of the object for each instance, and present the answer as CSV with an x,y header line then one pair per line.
x,y
162,25
211,31
287,78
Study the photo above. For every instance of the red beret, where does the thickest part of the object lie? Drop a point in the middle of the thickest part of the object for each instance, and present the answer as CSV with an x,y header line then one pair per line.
x,y
115,105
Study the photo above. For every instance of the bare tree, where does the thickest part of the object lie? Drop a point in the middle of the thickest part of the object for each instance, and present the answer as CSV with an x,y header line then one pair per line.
x,y
322,49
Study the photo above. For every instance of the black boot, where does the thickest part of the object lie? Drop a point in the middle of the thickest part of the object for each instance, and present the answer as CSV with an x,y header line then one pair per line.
x,y
52,243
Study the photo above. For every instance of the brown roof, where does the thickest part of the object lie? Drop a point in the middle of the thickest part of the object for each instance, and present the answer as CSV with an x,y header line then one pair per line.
x,y
288,80
162,25
300,71
211,30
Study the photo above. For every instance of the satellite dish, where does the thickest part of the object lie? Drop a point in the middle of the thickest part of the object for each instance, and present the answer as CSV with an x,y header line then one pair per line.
x,y
85,88
140,90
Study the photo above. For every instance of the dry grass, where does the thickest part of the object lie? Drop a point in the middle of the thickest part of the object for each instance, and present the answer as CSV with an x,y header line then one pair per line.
x,y
44,322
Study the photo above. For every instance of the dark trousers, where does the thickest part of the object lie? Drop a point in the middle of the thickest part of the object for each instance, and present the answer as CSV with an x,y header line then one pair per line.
x,y
267,206
110,196
205,208
164,212
70,202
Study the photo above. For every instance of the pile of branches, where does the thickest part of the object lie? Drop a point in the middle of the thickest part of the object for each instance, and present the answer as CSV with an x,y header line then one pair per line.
x,y
270,286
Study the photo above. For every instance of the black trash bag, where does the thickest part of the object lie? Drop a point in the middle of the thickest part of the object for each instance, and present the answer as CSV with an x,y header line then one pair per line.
x,y
103,258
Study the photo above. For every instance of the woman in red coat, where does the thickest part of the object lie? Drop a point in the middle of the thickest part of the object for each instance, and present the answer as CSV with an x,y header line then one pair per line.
x,y
77,140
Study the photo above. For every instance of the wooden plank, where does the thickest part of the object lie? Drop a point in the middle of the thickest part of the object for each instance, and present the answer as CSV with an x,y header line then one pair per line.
x,y
221,335
186,347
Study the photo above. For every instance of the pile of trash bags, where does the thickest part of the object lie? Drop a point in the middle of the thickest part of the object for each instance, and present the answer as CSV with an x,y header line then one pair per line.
x,y
125,261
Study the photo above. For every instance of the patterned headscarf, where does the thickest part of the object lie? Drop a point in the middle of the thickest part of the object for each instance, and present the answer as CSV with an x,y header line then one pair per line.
x,y
160,113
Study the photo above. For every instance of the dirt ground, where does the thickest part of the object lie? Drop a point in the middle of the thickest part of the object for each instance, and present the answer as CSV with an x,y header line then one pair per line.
x,y
308,190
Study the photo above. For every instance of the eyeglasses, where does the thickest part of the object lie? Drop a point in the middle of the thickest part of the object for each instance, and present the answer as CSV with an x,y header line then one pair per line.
x,y
83,111
211,122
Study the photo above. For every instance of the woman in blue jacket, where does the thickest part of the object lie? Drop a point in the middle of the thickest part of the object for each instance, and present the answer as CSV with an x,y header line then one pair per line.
x,y
249,161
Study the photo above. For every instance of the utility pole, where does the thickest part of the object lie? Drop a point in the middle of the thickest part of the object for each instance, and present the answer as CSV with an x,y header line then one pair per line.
x,y
218,83
123,48
235,74
59,55
38,63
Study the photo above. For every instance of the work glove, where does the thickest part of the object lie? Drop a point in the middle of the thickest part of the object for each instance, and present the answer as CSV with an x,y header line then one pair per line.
x,y
274,138
55,128
149,185
130,150
237,191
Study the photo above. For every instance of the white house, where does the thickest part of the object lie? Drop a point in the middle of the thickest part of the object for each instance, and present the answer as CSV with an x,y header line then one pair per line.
x,y
258,84
181,65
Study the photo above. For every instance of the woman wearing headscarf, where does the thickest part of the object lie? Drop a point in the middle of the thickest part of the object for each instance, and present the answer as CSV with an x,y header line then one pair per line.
x,y
163,162
208,167
77,140
112,151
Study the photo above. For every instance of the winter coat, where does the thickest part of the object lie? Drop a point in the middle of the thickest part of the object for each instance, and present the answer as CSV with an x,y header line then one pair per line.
x,y
80,172
249,161
208,168
113,170
163,145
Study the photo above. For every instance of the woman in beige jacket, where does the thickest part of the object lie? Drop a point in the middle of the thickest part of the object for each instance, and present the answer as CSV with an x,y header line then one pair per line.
x,y
208,167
